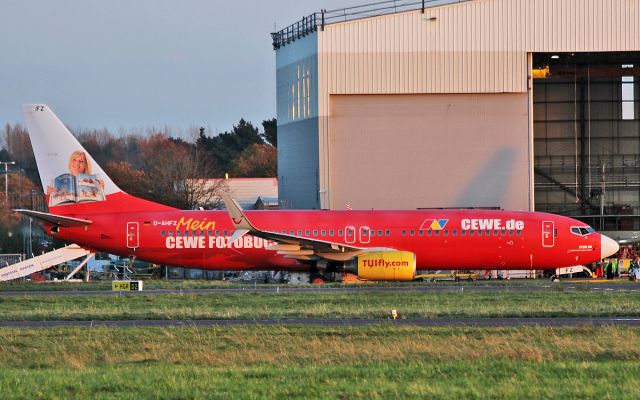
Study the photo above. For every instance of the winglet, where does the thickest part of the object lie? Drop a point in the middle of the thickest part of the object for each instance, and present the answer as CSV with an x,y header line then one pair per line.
x,y
238,219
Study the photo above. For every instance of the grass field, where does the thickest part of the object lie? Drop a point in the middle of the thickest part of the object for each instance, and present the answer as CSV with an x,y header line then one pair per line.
x,y
372,362
292,305
378,362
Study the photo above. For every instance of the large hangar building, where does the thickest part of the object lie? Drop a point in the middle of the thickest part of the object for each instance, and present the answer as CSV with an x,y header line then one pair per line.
x,y
519,104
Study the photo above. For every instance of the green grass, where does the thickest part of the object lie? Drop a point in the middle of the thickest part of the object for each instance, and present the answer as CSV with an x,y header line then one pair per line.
x,y
293,305
376,362
300,362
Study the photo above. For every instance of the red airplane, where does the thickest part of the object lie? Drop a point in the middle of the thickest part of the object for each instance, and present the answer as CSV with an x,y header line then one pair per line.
x,y
87,208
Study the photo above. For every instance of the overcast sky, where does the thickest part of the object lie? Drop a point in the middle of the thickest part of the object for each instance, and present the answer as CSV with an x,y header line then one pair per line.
x,y
142,63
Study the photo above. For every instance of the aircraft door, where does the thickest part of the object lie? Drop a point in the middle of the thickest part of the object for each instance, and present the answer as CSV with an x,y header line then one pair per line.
x,y
548,237
133,235
350,234
365,233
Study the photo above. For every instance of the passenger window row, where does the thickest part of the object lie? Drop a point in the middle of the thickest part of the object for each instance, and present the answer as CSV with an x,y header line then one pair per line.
x,y
455,232
331,233
195,233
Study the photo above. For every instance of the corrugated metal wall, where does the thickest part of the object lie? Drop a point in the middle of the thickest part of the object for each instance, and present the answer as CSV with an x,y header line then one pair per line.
x,y
429,150
479,46
470,47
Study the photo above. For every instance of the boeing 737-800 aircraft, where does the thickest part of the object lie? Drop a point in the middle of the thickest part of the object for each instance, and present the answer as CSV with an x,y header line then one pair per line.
x,y
88,208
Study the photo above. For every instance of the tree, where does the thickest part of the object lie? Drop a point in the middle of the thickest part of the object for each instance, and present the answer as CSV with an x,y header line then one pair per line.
x,y
257,161
103,146
227,147
10,233
132,181
270,131
20,189
178,173
17,145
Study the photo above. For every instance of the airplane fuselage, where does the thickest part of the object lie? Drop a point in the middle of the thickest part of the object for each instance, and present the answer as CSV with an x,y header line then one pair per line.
x,y
465,239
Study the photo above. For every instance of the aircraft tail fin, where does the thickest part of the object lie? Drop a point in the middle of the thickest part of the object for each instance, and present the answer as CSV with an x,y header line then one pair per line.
x,y
70,177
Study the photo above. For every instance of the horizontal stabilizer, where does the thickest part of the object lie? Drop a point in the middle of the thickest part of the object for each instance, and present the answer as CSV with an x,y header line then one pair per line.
x,y
42,262
54,219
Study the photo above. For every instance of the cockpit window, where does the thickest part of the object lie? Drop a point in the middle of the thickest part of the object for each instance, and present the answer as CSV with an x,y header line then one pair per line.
x,y
582,230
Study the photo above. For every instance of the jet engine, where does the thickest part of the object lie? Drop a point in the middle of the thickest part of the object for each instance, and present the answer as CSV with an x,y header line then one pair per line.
x,y
387,266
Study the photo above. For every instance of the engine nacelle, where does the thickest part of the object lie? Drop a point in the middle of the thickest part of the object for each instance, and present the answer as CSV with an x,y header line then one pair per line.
x,y
387,266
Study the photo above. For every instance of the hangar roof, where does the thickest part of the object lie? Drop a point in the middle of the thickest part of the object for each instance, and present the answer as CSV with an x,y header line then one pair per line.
x,y
324,17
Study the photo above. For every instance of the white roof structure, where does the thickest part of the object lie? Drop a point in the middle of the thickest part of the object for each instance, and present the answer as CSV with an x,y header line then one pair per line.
x,y
246,191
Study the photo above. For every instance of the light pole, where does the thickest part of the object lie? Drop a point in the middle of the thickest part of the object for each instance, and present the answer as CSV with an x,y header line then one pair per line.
x,y
6,180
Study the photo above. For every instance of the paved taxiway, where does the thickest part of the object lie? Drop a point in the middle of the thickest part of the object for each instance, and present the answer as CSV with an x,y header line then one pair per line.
x,y
585,285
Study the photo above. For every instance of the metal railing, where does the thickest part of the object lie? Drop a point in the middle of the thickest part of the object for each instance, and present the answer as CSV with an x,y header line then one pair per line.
x,y
318,20
298,29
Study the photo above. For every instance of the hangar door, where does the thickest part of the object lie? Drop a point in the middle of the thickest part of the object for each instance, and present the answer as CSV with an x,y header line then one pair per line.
x,y
429,150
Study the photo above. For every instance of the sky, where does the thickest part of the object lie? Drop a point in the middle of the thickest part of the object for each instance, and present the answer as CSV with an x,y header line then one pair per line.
x,y
136,64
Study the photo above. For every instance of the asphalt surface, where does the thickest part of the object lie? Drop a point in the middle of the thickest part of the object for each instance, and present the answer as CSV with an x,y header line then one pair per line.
x,y
604,286
479,322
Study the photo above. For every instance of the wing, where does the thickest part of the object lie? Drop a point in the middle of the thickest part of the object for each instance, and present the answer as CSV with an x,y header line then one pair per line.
x,y
54,219
291,246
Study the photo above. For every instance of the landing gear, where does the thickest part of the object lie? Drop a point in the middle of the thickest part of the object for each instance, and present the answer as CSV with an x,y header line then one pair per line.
x,y
317,279
324,272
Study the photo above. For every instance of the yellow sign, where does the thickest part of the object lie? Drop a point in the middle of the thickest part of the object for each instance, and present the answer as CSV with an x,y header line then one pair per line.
x,y
540,73
118,286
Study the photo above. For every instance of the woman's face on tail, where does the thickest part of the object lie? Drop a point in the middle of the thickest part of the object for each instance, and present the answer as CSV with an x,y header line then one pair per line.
x,y
78,165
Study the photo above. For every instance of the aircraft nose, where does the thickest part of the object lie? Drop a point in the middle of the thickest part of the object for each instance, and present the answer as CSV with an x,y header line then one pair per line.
x,y
608,246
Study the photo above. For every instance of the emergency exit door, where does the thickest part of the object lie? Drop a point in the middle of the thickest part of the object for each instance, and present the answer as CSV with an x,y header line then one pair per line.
x,y
548,237
133,235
